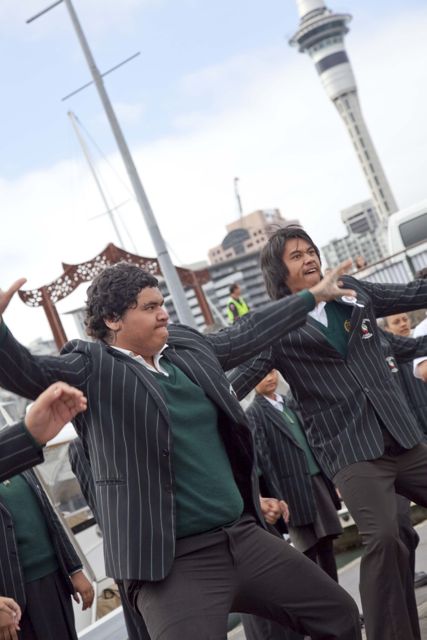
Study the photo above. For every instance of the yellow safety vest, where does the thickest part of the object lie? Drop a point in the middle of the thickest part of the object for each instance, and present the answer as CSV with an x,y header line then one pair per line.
x,y
241,306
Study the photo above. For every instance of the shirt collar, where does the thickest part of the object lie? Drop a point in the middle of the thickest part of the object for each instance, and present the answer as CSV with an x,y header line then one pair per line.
x,y
156,358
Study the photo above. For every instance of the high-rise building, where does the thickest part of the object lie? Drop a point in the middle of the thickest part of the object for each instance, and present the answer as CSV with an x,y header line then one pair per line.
x,y
321,34
248,234
365,239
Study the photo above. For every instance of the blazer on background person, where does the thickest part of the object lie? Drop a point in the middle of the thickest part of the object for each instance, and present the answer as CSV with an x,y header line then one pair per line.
x,y
40,568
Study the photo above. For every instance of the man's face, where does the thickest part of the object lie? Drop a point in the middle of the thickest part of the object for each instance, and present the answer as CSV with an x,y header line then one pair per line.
x,y
303,265
236,293
399,324
268,385
143,329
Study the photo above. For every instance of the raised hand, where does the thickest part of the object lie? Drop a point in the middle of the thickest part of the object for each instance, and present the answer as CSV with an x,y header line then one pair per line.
x,y
56,406
6,296
329,287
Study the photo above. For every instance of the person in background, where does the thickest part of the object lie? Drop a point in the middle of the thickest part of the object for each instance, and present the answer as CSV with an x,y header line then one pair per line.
x,y
290,471
420,364
39,566
236,305
397,343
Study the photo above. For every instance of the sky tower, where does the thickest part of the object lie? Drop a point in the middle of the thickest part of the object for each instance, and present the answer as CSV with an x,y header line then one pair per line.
x,y
321,34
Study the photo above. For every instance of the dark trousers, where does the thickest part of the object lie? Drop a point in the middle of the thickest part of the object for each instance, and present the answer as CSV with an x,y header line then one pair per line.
x,y
243,568
407,533
386,585
135,625
262,629
323,554
48,614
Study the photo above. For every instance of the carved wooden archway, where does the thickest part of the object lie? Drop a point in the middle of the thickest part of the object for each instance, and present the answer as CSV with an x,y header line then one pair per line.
x,y
75,274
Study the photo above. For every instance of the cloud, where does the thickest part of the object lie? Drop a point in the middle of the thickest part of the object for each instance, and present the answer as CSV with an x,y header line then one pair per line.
x,y
262,116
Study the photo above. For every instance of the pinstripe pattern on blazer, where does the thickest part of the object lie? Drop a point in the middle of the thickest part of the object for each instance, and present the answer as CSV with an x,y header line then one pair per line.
x,y
401,349
80,466
18,450
11,577
344,400
283,462
126,426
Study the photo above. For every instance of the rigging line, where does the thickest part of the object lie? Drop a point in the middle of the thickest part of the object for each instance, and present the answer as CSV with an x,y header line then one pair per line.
x,y
104,156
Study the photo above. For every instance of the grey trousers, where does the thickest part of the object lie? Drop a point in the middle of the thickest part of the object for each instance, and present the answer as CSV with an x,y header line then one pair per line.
x,y
243,568
386,584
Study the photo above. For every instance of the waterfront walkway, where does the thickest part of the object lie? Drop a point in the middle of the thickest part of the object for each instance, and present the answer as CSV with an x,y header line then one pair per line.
x,y
349,579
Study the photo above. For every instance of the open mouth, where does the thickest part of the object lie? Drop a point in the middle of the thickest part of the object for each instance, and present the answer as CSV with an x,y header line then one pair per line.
x,y
309,272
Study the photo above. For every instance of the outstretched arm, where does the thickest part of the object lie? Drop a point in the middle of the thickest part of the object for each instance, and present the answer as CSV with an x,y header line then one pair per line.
x,y
406,349
21,444
388,299
258,330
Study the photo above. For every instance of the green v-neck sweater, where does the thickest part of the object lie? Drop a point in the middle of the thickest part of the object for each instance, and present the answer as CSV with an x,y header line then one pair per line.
x,y
206,493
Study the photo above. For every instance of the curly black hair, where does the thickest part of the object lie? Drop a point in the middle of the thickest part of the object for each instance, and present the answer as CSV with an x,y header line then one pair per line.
x,y
273,268
111,293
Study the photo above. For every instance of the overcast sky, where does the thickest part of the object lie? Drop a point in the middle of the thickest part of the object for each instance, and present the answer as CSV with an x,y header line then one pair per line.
x,y
216,93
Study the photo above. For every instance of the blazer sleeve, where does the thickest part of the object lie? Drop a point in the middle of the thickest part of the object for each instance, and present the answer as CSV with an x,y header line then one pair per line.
x,y
28,375
258,330
388,299
18,450
62,542
263,458
406,349
247,375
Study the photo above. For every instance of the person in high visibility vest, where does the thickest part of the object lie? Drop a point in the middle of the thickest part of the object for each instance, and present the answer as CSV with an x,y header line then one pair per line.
x,y
236,306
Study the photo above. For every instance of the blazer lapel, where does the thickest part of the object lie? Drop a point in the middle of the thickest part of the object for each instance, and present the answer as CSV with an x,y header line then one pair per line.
x,y
146,377
313,331
211,379
277,419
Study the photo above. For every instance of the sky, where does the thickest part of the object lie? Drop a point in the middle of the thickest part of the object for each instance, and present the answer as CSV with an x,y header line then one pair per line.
x,y
216,92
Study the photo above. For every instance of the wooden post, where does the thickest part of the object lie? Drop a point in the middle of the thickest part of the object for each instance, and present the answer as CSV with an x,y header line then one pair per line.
x,y
203,303
53,318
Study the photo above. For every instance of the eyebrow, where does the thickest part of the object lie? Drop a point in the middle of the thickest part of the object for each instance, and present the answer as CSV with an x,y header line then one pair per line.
x,y
160,303
298,250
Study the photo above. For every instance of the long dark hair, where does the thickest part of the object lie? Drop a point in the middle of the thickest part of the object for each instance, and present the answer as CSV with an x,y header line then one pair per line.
x,y
273,268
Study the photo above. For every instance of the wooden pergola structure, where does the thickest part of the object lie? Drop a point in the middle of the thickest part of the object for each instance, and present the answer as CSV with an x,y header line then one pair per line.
x,y
75,274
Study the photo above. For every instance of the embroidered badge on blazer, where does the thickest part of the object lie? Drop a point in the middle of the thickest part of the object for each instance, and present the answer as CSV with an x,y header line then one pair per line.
x,y
392,364
365,328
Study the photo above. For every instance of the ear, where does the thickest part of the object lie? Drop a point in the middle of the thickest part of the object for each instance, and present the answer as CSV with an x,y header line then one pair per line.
x,y
113,325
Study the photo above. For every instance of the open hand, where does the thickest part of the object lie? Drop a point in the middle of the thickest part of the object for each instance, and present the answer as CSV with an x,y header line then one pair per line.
x,y
6,296
329,287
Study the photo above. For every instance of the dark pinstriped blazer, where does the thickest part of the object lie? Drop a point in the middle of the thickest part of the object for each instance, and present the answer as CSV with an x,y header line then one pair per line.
x,y
80,465
11,578
18,450
344,400
126,431
400,349
283,463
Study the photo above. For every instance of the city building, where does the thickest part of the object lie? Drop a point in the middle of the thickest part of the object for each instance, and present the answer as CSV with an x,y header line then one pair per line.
x,y
365,237
321,34
248,234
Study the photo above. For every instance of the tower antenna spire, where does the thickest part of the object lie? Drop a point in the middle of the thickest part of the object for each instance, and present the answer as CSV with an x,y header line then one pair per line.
x,y
321,34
